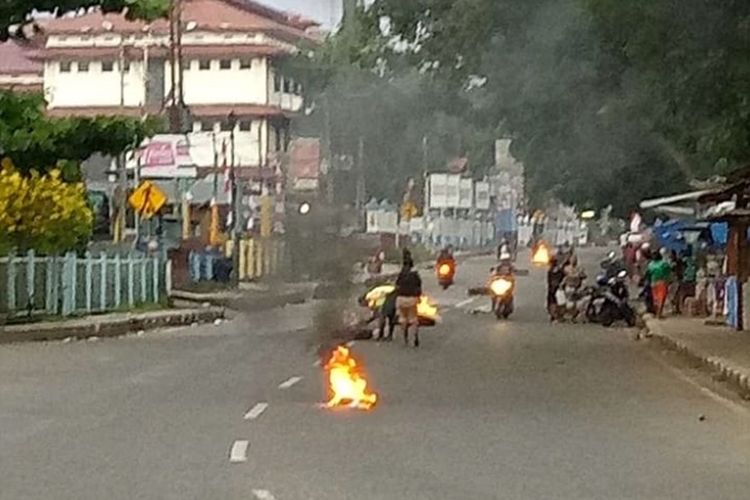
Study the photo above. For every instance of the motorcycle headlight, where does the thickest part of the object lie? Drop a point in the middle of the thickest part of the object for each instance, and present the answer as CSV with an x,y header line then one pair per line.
x,y
444,270
501,286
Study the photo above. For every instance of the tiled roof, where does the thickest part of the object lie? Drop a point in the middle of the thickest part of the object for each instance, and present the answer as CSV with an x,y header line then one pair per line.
x,y
199,110
222,110
211,15
15,59
227,50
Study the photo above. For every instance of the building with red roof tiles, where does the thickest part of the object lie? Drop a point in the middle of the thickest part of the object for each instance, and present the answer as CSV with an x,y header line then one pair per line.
x,y
19,70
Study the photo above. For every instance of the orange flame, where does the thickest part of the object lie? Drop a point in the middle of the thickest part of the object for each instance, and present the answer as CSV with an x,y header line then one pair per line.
x,y
347,383
426,309
541,256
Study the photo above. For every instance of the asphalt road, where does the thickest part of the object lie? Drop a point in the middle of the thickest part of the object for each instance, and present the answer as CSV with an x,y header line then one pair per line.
x,y
484,409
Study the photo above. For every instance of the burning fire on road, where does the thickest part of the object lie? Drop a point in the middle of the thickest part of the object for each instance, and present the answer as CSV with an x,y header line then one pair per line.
x,y
347,383
541,256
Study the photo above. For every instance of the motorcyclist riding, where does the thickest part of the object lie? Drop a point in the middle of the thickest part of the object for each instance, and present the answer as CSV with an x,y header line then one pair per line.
x,y
446,267
501,285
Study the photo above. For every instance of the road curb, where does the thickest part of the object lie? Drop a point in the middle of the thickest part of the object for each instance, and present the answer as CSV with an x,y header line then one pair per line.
x,y
101,327
241,303
738,378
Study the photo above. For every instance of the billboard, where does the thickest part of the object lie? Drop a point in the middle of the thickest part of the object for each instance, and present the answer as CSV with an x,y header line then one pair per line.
x,y
453,196
438,190
482,195
304,163
466,194
165,156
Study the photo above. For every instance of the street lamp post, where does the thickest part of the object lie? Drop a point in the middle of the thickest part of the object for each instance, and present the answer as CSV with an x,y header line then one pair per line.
x,y
235,205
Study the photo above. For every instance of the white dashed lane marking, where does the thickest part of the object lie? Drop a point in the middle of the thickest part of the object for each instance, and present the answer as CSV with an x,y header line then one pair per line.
x,y
256,411
350,344
465,303
263,495
288,383
238,453
317,363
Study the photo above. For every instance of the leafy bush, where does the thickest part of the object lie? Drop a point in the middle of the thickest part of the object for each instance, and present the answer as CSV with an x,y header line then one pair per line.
x,y
41,212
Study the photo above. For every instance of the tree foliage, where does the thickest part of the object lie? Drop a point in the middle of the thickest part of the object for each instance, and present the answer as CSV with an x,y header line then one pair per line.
x,y
359,87
41,212
34,141
606,101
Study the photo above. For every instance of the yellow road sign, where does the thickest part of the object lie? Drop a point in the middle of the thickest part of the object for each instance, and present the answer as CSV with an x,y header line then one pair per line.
x,y
409,210
147,200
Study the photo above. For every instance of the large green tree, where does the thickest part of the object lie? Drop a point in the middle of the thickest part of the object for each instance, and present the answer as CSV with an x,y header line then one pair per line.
x,y
34,141
360,87
606,101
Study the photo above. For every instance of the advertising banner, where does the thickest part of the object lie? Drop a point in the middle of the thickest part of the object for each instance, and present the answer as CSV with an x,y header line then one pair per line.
x,y
466,193
482,195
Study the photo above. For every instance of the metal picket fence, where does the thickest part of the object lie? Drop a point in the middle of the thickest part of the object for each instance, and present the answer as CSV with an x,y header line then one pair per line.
x,y
68,285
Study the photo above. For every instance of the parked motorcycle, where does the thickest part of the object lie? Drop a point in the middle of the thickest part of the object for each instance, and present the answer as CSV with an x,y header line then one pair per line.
x,y
610,302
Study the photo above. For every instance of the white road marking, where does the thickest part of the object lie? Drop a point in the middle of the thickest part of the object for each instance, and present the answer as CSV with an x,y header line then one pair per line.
x,y
350,344
317,363
725,402
288,383
256,411
263,495
465,303
238,453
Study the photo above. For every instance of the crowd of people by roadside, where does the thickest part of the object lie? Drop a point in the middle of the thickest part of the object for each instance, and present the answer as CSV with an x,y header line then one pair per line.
x,y
669,277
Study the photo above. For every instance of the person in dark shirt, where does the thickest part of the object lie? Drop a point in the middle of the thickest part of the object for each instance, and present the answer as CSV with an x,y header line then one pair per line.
x,y
409,291
554,279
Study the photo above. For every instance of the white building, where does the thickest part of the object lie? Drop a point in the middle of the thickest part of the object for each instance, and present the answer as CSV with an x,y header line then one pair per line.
x,y
96,64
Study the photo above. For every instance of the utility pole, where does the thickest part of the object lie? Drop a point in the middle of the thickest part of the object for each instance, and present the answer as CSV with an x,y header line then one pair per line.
x,y
235,203
174,112
327,153
361,186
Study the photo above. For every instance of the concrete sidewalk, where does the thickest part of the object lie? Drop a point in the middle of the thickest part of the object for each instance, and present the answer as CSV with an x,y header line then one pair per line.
x,y
718,348
250,297
107,325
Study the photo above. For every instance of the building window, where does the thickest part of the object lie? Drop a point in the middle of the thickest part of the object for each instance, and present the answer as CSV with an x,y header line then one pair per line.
x,y
246,63
83,66
276,83
277,138
298,89
287,85
225,64
108,66
245,125
224,126
126,65
65,66
204,64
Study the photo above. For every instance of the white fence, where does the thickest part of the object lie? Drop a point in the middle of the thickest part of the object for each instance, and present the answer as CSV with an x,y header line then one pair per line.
x,y
68,285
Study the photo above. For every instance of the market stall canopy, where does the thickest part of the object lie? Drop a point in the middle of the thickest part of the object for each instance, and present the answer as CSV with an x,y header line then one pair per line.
x,y
677,204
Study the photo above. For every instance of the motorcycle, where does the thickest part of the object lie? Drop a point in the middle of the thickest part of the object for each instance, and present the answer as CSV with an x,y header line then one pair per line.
x,y
501,289
610,302
612,266
446,272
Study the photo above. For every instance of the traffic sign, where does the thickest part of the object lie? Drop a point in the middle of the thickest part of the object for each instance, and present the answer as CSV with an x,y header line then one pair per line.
x,y
147,199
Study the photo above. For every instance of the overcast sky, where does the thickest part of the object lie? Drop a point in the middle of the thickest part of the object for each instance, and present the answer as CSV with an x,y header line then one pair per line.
x,y
324,11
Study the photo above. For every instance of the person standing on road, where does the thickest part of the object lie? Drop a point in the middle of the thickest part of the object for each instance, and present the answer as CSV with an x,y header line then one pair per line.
x,y
409,290
554,279
658,273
